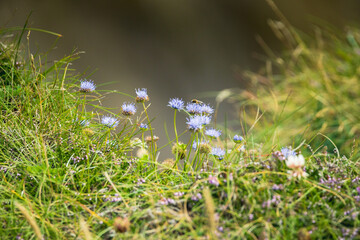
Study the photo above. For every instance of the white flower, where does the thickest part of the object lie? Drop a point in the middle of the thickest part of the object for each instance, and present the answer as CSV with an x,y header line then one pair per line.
x,y
295,162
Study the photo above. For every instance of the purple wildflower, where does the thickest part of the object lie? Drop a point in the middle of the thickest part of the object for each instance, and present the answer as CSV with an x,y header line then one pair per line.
x,y
142,95
195,123
179,194
176,103
110,122
205,119
238,139
167,201
213,180
193,108
206,109
87,86
143,126
213,133
128,109
287,152
196,197
218,152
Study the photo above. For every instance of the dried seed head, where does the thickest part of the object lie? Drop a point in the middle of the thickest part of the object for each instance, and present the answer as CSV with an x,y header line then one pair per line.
x,y
121,225
150,139
169,162
179,150
88,132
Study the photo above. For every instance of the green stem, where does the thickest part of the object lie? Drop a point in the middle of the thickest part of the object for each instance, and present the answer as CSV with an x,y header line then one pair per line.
x,y
197,150
83,105
153,150
188,156
176,135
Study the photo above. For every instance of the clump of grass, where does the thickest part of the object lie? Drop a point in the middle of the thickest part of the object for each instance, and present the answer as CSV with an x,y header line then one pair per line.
x,y
77,170
310,90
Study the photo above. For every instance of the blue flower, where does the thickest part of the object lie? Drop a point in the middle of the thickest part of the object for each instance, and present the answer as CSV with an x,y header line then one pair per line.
x,y
128,109
176,103
195,123
213,133
238,139
87,86
218,152
206,109
193,108
109,121
143,126
142,95
204,119
287,152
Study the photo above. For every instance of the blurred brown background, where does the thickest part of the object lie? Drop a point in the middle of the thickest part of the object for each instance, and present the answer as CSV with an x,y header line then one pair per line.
x,y
180,48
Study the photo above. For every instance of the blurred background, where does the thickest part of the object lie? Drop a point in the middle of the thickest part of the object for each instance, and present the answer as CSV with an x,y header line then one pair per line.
x,y
185,48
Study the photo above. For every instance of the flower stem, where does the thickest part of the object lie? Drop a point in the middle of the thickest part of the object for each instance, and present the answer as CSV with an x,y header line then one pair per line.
x,y
176,135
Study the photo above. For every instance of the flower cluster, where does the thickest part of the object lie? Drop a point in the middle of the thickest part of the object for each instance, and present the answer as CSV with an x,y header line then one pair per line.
x,y
199,116
128,109
196,108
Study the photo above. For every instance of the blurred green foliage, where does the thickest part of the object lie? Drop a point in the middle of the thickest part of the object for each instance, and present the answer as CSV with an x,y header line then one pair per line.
x,y
310,90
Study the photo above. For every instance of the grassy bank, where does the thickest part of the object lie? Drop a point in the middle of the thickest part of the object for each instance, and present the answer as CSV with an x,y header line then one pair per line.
x,y
73,169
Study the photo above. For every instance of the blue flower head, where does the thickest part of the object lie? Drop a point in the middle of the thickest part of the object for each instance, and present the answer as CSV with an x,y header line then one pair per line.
x,y
213,133
176,103
141,95
87,86
206,109
218,152
238,139
195,123
287,152
193,108
143,126
109,121
128,109
205,119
